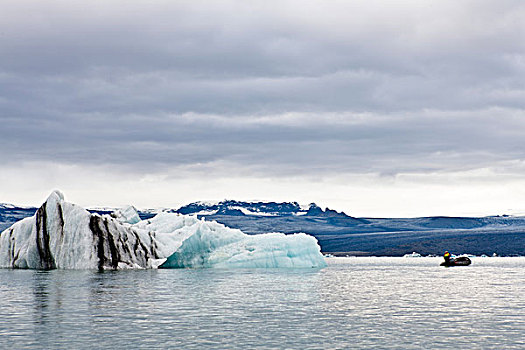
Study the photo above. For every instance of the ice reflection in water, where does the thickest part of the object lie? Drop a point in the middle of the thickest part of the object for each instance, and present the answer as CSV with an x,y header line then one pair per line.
x,y
353,303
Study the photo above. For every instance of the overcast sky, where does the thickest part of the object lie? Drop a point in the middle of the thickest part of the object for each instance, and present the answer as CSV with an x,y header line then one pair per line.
x,y
377,108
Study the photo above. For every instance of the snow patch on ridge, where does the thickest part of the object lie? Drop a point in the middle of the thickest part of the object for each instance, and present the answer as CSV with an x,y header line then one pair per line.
x,y
246,211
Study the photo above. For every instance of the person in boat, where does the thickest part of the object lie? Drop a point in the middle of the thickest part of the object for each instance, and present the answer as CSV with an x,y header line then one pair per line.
x,y
446,256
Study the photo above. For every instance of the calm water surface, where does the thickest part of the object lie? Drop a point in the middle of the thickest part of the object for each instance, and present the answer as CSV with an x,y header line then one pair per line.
x,y
399,303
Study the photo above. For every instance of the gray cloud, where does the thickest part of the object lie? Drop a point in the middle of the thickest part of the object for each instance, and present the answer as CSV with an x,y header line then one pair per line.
x,y
343,87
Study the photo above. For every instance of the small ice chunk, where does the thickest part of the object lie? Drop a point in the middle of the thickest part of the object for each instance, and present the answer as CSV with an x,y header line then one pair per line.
x,y
127,214
412,255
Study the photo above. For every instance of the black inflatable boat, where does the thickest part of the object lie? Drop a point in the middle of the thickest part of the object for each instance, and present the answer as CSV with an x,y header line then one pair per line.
x,y
459,261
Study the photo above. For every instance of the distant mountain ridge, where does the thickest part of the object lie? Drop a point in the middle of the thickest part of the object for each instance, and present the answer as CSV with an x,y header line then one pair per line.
x,y
232,207
338,232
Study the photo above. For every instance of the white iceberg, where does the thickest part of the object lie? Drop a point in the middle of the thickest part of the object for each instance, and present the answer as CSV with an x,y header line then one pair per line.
x,y
412,255
222,247
127,214
65,236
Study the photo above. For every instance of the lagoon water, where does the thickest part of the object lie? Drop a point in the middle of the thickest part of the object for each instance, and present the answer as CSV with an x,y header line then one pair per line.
x,y
383,303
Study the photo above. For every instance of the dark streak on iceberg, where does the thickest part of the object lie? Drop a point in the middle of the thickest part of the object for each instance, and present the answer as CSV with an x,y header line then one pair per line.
x,y
153,245
98,240
144,248
60,220
11,249
122,240
42,240
102,238
115,256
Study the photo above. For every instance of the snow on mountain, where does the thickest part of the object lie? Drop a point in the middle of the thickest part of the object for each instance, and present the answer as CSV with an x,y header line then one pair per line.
x,y
64,235
253,208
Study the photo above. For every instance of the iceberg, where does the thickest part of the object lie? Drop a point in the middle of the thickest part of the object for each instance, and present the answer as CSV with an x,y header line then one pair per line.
x,y
226,248
62,235
127,214
412,255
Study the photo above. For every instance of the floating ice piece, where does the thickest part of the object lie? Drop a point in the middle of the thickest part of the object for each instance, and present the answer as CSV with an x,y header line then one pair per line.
x,y
412,255
219,246
127,214
64,235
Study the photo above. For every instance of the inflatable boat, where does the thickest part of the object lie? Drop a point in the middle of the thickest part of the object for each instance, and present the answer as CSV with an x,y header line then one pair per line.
x,y
459,261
